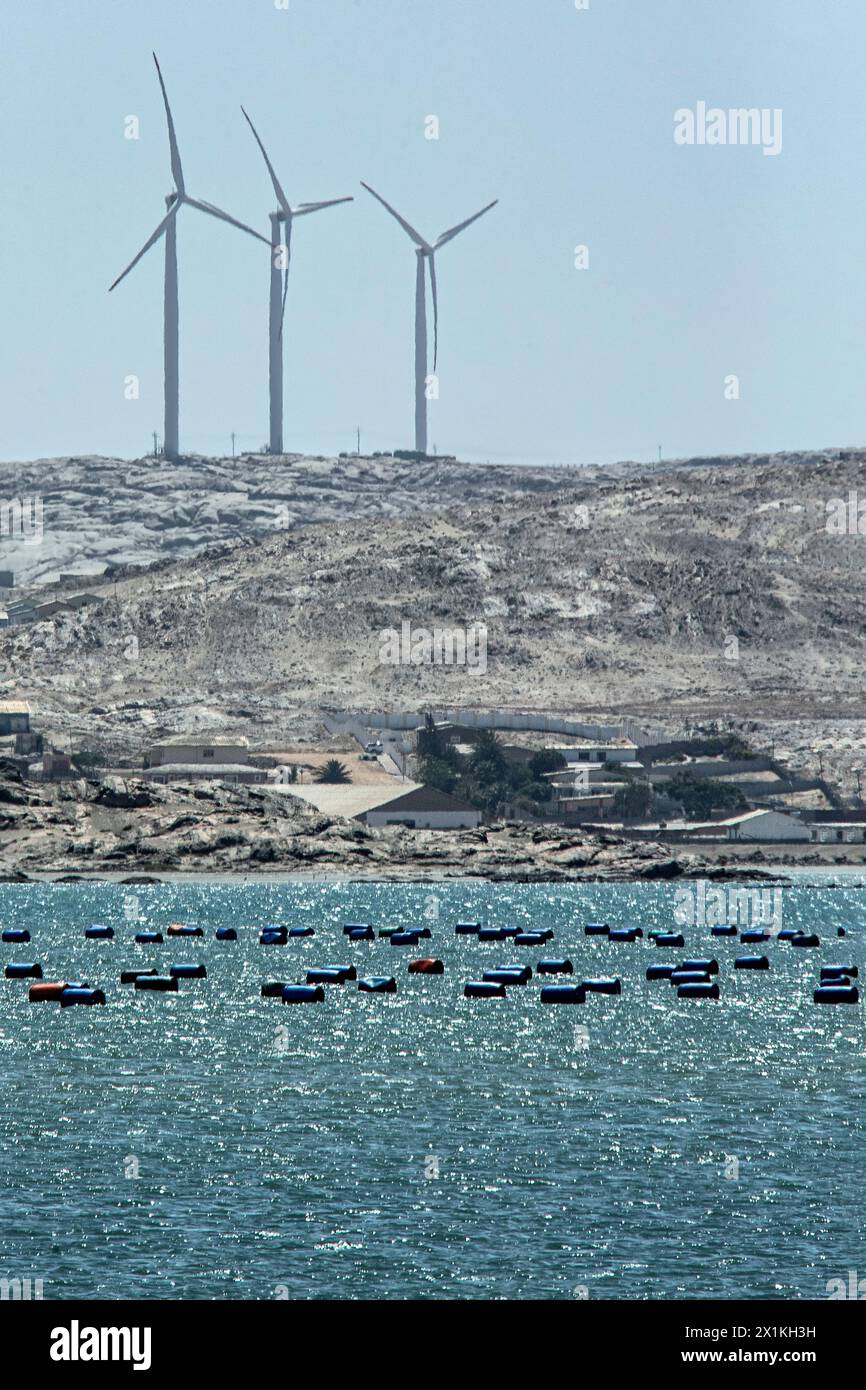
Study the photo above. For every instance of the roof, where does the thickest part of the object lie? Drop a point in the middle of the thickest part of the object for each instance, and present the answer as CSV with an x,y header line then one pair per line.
x,y
14,707
344,799
426,799
218,741
199,769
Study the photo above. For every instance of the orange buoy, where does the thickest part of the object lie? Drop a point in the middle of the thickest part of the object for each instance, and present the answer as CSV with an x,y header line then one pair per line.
x,y
46,990
427,966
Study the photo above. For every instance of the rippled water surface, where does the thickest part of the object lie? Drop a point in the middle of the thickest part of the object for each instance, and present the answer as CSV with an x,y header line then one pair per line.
x,y
214,1144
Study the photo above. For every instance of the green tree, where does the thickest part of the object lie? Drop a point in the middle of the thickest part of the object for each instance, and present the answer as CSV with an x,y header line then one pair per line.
x,y
333,771
634,800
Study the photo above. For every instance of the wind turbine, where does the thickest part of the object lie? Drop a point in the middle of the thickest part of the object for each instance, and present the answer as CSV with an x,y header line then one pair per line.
x,y
280,260
168,228
426,253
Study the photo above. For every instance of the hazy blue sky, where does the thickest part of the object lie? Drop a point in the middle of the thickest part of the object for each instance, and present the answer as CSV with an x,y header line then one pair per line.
x,y
704,261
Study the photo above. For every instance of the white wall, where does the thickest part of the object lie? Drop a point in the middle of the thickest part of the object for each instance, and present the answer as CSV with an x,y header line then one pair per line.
x,y
427,820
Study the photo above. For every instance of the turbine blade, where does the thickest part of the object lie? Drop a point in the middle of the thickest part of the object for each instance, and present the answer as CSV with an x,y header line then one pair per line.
x,y
281,197
154,237
461,226
288,248
176,170
431,261
224,217
407,227
303,208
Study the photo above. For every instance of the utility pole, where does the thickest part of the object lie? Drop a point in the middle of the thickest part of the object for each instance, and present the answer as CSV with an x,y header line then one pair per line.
x,y
358,432
155,446
233,443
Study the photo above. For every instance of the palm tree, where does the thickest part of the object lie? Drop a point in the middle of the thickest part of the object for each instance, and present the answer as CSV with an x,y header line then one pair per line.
x,y
332,771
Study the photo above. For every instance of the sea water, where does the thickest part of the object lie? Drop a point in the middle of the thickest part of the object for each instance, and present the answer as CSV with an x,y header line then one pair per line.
x,y
212,1144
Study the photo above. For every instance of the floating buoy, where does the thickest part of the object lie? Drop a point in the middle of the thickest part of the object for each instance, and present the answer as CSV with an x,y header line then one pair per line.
x,y
660,972
276,936
129,977
23,970
751,963
555,967
49,991
74,995
177,929
838,972
226,934
301,931
426,966
149,938
467,929
596,929
492,934
689,977
669,938
788,934
710,966
723,931
624,933
836,994
349,927
19,934
840,931
98,933
483,989
303,994
272,989
323,976
188,970
160,983
389,931
563,994
602,986
753,936
804,939
708,990
532,938
362,934
348,972
406,938
508,975
378,984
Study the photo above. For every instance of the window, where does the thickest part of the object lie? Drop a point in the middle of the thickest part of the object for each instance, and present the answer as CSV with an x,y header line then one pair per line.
x,y
207,752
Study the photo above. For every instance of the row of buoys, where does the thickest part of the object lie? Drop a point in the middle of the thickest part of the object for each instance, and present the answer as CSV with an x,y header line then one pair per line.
x,y
494,983
836,987
311,990
67,992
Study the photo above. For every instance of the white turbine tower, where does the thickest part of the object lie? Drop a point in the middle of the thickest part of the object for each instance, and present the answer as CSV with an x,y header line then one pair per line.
x,y
426,253
167,227
280,259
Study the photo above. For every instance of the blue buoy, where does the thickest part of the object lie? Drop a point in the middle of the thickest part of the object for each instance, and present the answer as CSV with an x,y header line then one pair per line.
x,y
23,970
273,989
389,931
349,972
532,938
602,986
805,939
596,929
689,977
555,967
754,936
362,934
751,963
669,938
323,976
378,984
698,991
98,933
19,934
483,989
659,972
788,934
624,933
836,994
838,972
295,932
467,929
710,966
349,927
508,975
303,994
160,984
406,938
273,936
149,938
840,931
563,994
128,977
491,934
723,931
226,934
81,996
188,970
178,930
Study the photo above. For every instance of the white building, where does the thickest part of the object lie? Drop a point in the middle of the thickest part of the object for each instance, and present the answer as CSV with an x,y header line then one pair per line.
x,y
425,808
765,826
838,833
194,772
206,751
